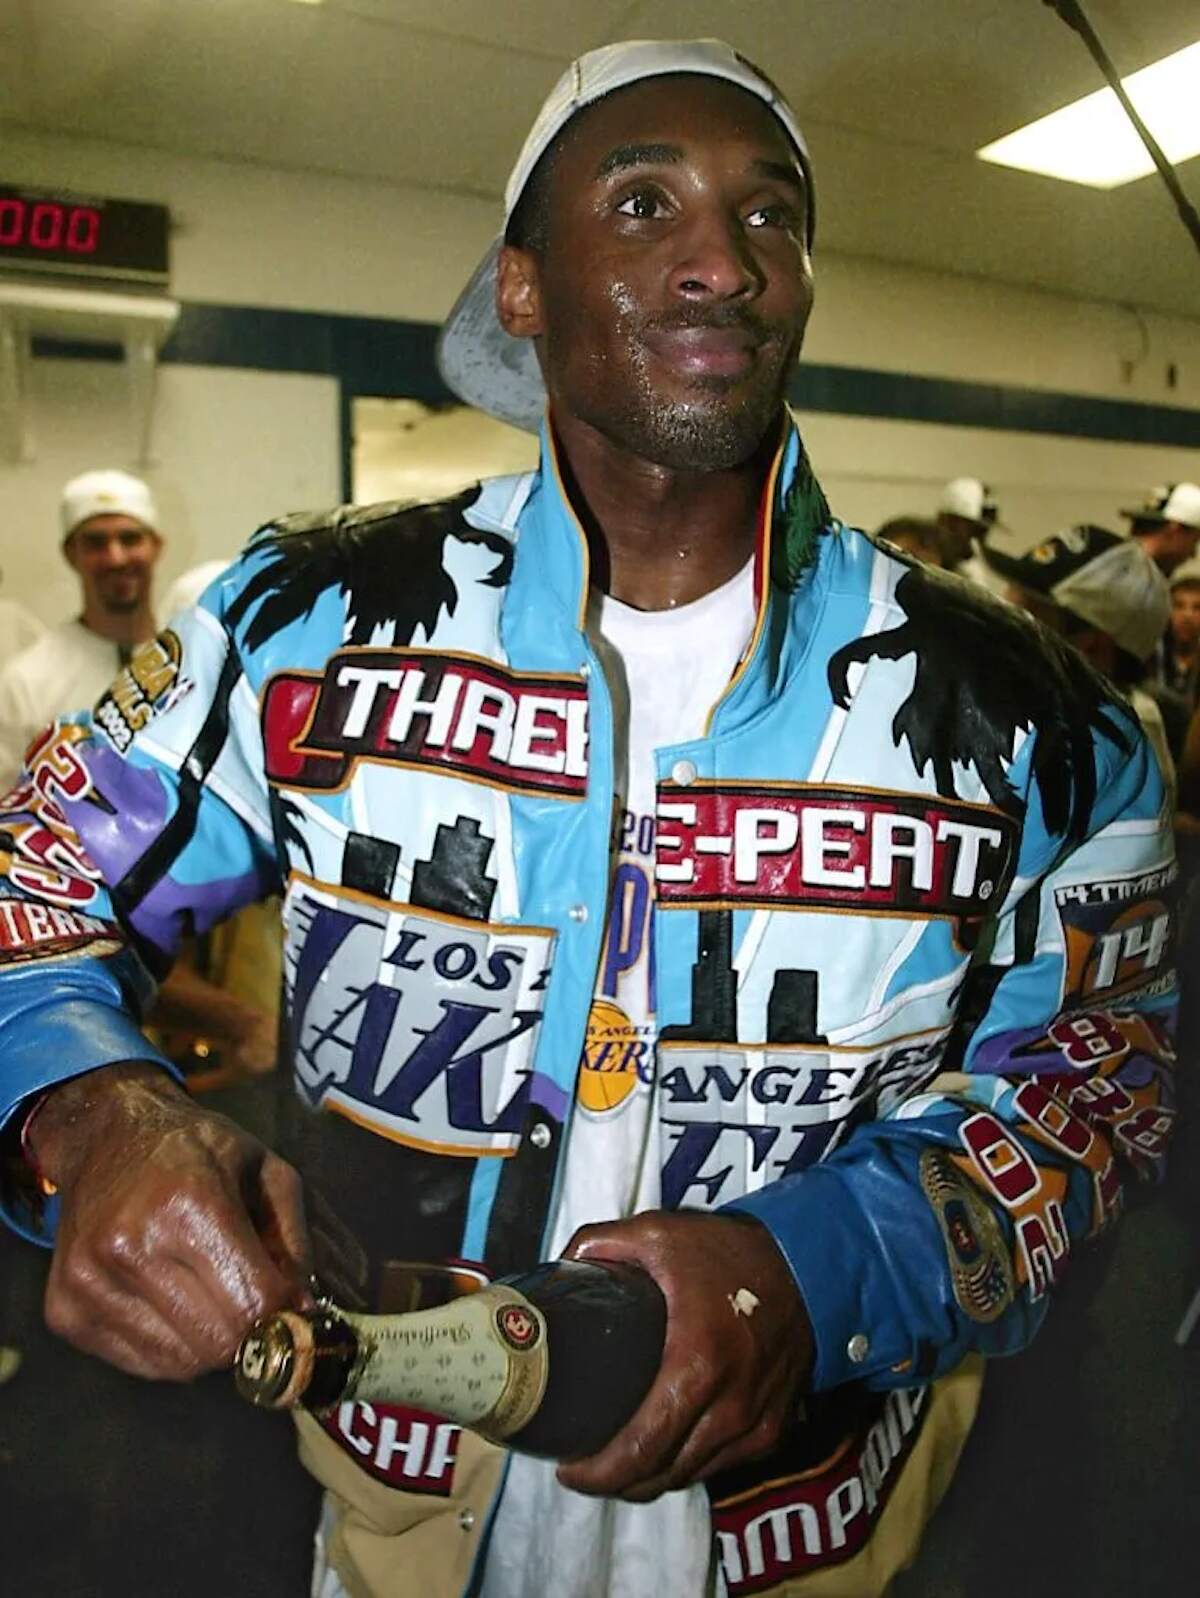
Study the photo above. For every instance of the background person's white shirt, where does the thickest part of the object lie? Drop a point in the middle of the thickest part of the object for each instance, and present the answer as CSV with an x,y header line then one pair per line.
x,y
18,629
68,668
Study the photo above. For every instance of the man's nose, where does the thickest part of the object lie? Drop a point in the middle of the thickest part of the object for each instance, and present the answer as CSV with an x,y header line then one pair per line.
x,y
716,260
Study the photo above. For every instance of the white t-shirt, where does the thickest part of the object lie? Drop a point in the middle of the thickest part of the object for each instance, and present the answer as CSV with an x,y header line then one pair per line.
x,y
18,629
665,671
66,669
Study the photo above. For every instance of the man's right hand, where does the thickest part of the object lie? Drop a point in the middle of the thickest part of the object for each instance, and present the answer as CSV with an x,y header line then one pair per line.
x,y
177,1229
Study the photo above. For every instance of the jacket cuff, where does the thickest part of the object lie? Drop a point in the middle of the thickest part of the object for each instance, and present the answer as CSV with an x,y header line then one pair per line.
x,y
858,1323
46,1048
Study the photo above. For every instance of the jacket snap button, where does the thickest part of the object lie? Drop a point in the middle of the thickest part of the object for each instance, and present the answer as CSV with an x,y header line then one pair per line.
x,y
466,1519
858,1348
540,1136
578,912
683,772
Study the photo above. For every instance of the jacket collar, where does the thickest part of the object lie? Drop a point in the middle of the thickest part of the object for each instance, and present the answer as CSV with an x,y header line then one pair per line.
x,y
552,551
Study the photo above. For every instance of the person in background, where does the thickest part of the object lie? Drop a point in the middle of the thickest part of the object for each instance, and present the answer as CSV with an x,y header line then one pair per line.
x,y
111,540
966,513
916,536
1168,526
217,1012
1181,641
19,628
1107,598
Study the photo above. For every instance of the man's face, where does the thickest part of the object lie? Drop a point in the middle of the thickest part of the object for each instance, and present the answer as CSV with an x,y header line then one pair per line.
x,y
1185,615
671,298
959,533
1176,543
114,557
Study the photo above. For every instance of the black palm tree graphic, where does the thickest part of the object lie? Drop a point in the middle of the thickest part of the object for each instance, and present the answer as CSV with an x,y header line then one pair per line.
x,y
288,820
983,671
386,559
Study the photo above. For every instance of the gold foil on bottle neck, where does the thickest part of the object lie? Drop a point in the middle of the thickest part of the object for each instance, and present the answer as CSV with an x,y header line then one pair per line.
x,y
275,1360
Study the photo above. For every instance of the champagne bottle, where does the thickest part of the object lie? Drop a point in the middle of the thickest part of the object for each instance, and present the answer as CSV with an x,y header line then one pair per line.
x,y
551,1362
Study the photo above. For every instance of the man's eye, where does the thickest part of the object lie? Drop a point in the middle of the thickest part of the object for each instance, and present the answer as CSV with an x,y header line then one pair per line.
x,y
774,215
644,204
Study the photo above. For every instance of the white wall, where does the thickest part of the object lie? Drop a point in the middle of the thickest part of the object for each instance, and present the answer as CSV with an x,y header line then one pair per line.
x,y
234,447
230,450
250,235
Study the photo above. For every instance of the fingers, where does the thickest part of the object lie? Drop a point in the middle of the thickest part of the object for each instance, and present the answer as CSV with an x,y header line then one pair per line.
x,y
163,1266
686,1430
162,1329
278,1214
639,1451
728,1376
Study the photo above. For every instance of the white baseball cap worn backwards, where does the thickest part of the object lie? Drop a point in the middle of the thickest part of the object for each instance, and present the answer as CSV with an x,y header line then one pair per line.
x,y
482,363
106,493
969,498
1173,502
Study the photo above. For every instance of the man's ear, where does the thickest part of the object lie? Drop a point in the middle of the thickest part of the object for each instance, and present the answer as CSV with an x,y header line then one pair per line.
x,y
518,292
68,552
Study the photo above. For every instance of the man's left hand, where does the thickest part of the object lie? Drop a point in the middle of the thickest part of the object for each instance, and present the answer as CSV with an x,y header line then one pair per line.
x,y
738,1352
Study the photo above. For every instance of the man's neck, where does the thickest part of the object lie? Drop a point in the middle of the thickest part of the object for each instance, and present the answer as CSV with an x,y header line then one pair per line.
x,y
130,627
659,537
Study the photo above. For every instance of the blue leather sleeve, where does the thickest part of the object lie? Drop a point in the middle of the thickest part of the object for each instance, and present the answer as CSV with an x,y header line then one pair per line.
x,y
941,1229
130,826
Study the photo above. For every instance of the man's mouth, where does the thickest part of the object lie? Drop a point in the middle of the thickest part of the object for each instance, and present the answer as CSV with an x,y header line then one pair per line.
x,y
705,351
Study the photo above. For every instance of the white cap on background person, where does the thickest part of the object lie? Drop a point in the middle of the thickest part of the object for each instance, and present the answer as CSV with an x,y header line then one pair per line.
x,y
1182,505
1169,502
1188,572
106,493
969,498
482,363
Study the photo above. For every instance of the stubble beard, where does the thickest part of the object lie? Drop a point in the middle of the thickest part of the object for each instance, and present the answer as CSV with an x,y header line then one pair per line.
x,y
708,429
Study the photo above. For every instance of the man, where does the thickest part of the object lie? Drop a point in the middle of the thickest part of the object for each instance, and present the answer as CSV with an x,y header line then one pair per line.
x,y
1168,525
1182,639
882,1132
915,536
967,512
1109,600
110,539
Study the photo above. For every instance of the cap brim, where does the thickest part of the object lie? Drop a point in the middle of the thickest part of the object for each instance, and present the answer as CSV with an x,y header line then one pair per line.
x,y
482,363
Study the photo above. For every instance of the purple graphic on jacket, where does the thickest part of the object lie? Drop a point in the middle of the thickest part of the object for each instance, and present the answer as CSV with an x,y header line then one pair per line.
x,y
117,832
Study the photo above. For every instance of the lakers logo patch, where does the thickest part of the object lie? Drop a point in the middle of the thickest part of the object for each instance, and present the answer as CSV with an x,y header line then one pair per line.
x,y
616,1056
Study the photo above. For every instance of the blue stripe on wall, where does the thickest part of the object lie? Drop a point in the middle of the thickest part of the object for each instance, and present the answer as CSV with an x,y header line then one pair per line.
x,y
853,391
374,355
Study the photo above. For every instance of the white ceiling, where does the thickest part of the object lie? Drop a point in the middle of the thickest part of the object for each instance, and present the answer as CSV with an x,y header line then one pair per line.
x,y
895,96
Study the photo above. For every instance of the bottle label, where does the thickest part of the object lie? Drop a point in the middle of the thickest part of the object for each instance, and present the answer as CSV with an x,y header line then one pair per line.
x,y
481,1360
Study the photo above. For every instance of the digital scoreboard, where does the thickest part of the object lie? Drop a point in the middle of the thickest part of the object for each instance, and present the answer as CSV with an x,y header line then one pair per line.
x,y
82,237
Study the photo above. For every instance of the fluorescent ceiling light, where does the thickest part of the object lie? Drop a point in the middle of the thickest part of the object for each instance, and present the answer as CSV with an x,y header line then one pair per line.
x,y
1094,142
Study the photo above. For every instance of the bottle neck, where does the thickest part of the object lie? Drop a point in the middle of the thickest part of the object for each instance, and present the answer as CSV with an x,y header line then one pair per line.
x,y
481,1360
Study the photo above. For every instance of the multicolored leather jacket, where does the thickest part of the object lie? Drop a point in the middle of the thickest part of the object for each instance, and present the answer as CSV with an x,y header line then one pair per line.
x,y
913,948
